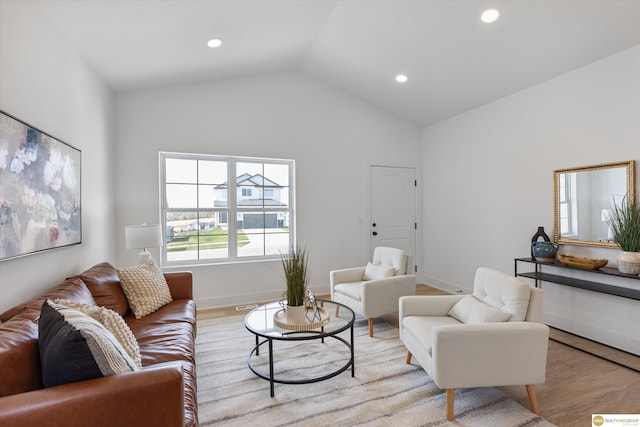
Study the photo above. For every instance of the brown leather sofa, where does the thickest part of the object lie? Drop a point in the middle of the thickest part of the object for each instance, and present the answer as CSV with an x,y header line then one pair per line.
x,y
163,393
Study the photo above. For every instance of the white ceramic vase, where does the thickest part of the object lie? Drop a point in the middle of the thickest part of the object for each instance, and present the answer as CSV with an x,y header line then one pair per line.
x,y
629,262
295,314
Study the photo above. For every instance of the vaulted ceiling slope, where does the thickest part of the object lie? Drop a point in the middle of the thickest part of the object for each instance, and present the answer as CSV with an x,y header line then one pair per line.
x,y
453,61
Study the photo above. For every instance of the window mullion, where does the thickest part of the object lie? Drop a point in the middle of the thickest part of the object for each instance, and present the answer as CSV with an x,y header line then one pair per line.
x,y
163,206
231,204
291,208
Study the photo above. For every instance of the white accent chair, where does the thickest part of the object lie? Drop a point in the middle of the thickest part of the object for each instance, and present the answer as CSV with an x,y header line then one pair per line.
x,y
493,337
374,290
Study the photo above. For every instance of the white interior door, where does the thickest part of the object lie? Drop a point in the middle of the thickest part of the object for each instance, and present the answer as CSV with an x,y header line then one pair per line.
x,y
393,208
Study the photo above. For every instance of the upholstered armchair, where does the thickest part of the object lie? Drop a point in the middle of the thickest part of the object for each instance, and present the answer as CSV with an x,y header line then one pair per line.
x,y
374,290
493,337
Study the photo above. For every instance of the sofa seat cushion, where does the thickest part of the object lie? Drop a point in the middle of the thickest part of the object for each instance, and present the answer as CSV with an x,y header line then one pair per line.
x,y
164,343
177,311
352,290
421,327
167,334
75,347
103,282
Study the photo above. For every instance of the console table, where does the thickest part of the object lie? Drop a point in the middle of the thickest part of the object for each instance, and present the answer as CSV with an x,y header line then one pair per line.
x,y
539,276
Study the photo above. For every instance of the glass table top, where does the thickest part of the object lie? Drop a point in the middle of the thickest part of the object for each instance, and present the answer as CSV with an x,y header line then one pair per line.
x,y
261,322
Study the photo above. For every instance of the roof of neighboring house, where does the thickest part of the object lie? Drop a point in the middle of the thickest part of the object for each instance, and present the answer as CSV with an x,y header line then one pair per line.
x,y
251,202
256,180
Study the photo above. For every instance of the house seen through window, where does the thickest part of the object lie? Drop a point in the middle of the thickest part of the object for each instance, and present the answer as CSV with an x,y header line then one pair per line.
x,y
220,208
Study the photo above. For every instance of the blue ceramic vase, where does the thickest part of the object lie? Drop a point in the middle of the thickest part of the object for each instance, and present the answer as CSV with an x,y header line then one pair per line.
x,y
544,251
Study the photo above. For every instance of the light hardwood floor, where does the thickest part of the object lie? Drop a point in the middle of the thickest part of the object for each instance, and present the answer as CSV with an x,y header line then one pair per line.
x,y
578,384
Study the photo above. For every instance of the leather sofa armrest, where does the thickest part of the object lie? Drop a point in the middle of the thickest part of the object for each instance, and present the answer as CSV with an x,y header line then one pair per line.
x,y
153,396
180,284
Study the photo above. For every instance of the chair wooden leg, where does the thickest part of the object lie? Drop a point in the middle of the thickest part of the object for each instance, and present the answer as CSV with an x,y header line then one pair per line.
x,y
371,326
337,310
450,395
533,399
408,361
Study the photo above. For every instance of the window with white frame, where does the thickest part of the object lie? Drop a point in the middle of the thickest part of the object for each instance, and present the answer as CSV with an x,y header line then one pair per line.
x,y
567,205
220,208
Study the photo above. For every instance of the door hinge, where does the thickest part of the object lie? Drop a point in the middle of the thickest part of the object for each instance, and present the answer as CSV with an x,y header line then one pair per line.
x,y
415,183
415,268
415,225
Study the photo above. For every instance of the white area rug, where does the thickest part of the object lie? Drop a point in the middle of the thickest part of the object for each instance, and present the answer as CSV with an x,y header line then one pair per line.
x,y
385,391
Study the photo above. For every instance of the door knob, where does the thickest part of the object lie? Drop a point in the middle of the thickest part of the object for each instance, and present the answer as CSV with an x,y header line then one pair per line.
x,y
374,224
375,233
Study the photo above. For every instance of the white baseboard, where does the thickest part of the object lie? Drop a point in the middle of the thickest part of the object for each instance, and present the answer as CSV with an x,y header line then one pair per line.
x,y
445,286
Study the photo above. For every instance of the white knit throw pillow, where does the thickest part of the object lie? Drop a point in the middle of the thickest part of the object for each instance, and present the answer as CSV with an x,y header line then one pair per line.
x,y
113,322
145,287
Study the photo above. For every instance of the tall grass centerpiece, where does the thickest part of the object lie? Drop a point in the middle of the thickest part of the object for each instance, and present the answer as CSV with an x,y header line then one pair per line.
x,y
624,221
296,273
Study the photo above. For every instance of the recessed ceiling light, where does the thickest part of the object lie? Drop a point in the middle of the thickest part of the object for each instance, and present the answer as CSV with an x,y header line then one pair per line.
x,y
214,43
490,15
401,78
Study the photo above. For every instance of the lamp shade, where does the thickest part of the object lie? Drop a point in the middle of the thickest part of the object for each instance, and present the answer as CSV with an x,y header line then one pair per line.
x,y
143,236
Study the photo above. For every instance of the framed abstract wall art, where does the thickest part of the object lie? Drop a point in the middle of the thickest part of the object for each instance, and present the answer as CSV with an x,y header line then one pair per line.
x,y
39,190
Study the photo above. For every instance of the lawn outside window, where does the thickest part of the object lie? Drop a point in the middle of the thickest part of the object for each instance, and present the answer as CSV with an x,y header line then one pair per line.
x,y
217,209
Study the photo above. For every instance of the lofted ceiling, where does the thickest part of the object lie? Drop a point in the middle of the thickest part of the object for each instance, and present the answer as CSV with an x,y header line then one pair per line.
x,y
454,62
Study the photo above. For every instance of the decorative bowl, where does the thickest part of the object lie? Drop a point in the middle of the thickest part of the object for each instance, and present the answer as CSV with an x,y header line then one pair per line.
x,y
588,263
545,251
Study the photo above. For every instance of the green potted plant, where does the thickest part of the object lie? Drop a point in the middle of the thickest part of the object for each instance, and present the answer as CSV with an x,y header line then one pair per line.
x,y
624,221
296,273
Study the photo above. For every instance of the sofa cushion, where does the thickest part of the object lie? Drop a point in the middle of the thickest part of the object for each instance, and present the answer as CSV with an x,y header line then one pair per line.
x,y
75,347
103,282
421,328
503,291
391,256
167,334
113,322
20,368
471,310
145,287
374,272
72,288
352,290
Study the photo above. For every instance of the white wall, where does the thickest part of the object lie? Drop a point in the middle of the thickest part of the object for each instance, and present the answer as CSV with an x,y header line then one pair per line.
x,y
332,137
488,178
44,82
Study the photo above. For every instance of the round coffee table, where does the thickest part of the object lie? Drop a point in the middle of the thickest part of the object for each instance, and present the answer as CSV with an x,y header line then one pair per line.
x,y
260,322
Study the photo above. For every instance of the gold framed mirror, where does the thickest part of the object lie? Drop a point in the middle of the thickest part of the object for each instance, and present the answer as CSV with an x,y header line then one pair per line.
x,y
582,200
